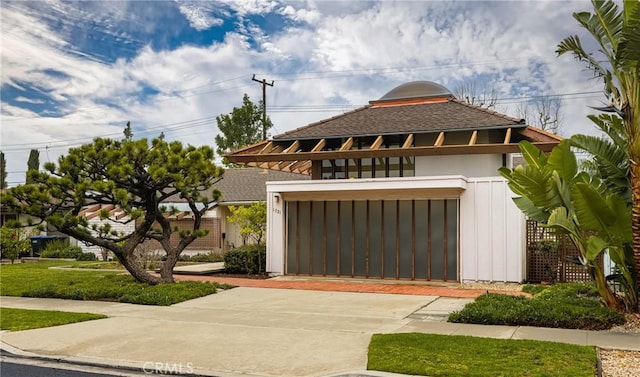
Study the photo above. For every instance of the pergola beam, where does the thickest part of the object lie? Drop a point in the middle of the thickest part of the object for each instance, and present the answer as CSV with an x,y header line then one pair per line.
x,y
376,144
507,136
318,147
408,142
266,147
347,144
293,147
388,152
474,137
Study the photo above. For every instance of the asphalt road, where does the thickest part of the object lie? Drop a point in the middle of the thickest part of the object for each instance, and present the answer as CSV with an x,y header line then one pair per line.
x,y
12,366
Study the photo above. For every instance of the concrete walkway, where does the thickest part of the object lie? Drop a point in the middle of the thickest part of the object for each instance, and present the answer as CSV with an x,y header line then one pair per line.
x,y
261,331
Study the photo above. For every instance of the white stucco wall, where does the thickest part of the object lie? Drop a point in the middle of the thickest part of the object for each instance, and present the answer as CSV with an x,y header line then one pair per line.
x,y
481,165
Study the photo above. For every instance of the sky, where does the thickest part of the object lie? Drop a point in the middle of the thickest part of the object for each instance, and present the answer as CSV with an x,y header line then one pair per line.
x,y
72,71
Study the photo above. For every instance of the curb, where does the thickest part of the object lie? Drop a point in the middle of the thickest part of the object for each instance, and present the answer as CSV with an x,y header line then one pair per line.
x,y
13,352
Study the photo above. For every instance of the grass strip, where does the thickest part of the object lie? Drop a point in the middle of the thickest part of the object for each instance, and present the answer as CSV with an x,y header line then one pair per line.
x,y
26,319
38,280
451,356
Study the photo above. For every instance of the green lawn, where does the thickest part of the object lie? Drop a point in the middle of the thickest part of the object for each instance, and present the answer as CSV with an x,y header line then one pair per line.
x,y
451,356
38,280
23,319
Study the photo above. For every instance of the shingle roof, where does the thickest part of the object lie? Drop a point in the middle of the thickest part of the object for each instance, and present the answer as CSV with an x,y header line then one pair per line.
x,y
250,184
246,184
448,115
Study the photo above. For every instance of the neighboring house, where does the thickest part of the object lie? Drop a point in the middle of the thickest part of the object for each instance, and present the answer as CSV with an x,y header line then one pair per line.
x,y
238,187
118,220
403,188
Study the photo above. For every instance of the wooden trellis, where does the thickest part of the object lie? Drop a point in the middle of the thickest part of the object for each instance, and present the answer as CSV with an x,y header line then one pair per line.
x,y
557,266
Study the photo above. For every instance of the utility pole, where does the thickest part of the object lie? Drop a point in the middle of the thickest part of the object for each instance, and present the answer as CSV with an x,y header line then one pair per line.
x,y
264,104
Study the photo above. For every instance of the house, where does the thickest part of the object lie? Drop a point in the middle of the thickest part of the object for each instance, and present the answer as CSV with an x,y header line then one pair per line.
x,y
118,220
403,188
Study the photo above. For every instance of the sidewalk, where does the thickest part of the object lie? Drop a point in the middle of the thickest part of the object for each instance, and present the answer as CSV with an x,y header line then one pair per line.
x,y
261,331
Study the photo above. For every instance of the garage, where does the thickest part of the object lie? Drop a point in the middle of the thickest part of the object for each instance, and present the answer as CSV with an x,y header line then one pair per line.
x,y
383,239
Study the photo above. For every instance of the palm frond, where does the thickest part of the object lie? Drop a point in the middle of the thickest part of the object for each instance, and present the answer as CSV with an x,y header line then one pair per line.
x,y
573,45
629,48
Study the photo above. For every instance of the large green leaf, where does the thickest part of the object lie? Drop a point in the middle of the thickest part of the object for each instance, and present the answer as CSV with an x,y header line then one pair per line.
x,y
563,160
561,219
629,47
532,155
621,229
528,208
537,185
592,210
595,245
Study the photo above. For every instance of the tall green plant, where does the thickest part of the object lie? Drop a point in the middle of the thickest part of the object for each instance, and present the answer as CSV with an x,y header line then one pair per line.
x,y
33,164
14,242
554,192
3,172
242,127
252,220
617,62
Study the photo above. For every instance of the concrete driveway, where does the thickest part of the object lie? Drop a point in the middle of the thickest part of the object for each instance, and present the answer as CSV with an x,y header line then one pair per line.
x,y
251,331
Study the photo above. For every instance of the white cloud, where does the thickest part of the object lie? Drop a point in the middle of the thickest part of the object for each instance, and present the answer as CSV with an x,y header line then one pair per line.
x,y
249,7
29,100
199,16
346,44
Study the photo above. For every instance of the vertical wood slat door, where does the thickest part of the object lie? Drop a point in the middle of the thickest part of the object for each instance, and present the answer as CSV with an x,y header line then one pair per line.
x,y
389,239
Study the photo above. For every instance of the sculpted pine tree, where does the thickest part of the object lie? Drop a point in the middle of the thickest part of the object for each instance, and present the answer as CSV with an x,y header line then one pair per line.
x,y
242,127
136,176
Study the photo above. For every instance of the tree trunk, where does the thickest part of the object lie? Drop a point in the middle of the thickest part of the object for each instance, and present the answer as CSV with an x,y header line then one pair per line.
x,y
607,295
166,271
635,220
132,263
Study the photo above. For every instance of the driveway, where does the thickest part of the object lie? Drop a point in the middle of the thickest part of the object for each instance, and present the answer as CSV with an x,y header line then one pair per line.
x,y
251,331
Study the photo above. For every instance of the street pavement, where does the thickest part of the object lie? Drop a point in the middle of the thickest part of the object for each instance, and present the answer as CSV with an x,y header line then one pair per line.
x,y
260,331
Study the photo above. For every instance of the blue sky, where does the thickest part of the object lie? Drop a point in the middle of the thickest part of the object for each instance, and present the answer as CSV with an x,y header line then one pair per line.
x,y
72,71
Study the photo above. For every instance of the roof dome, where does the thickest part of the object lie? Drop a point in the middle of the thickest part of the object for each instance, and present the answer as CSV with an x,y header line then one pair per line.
x,y
416,89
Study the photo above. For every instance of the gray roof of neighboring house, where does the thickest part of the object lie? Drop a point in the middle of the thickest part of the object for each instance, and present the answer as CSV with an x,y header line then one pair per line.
x,y
247,184
448,115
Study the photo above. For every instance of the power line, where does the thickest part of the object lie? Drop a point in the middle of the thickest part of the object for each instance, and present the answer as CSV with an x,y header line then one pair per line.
x,y
171,98
79,141
172,127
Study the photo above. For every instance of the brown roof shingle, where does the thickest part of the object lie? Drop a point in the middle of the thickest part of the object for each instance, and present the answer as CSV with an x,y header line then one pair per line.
x,y
246,184
450,115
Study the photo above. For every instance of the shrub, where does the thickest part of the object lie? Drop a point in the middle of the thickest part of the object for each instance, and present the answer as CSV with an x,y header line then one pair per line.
x,y
208,257
249,259
13,243
60,249
571,306
87,257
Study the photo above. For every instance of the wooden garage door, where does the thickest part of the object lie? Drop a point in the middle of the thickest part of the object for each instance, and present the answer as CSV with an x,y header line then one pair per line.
x,y
389,239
